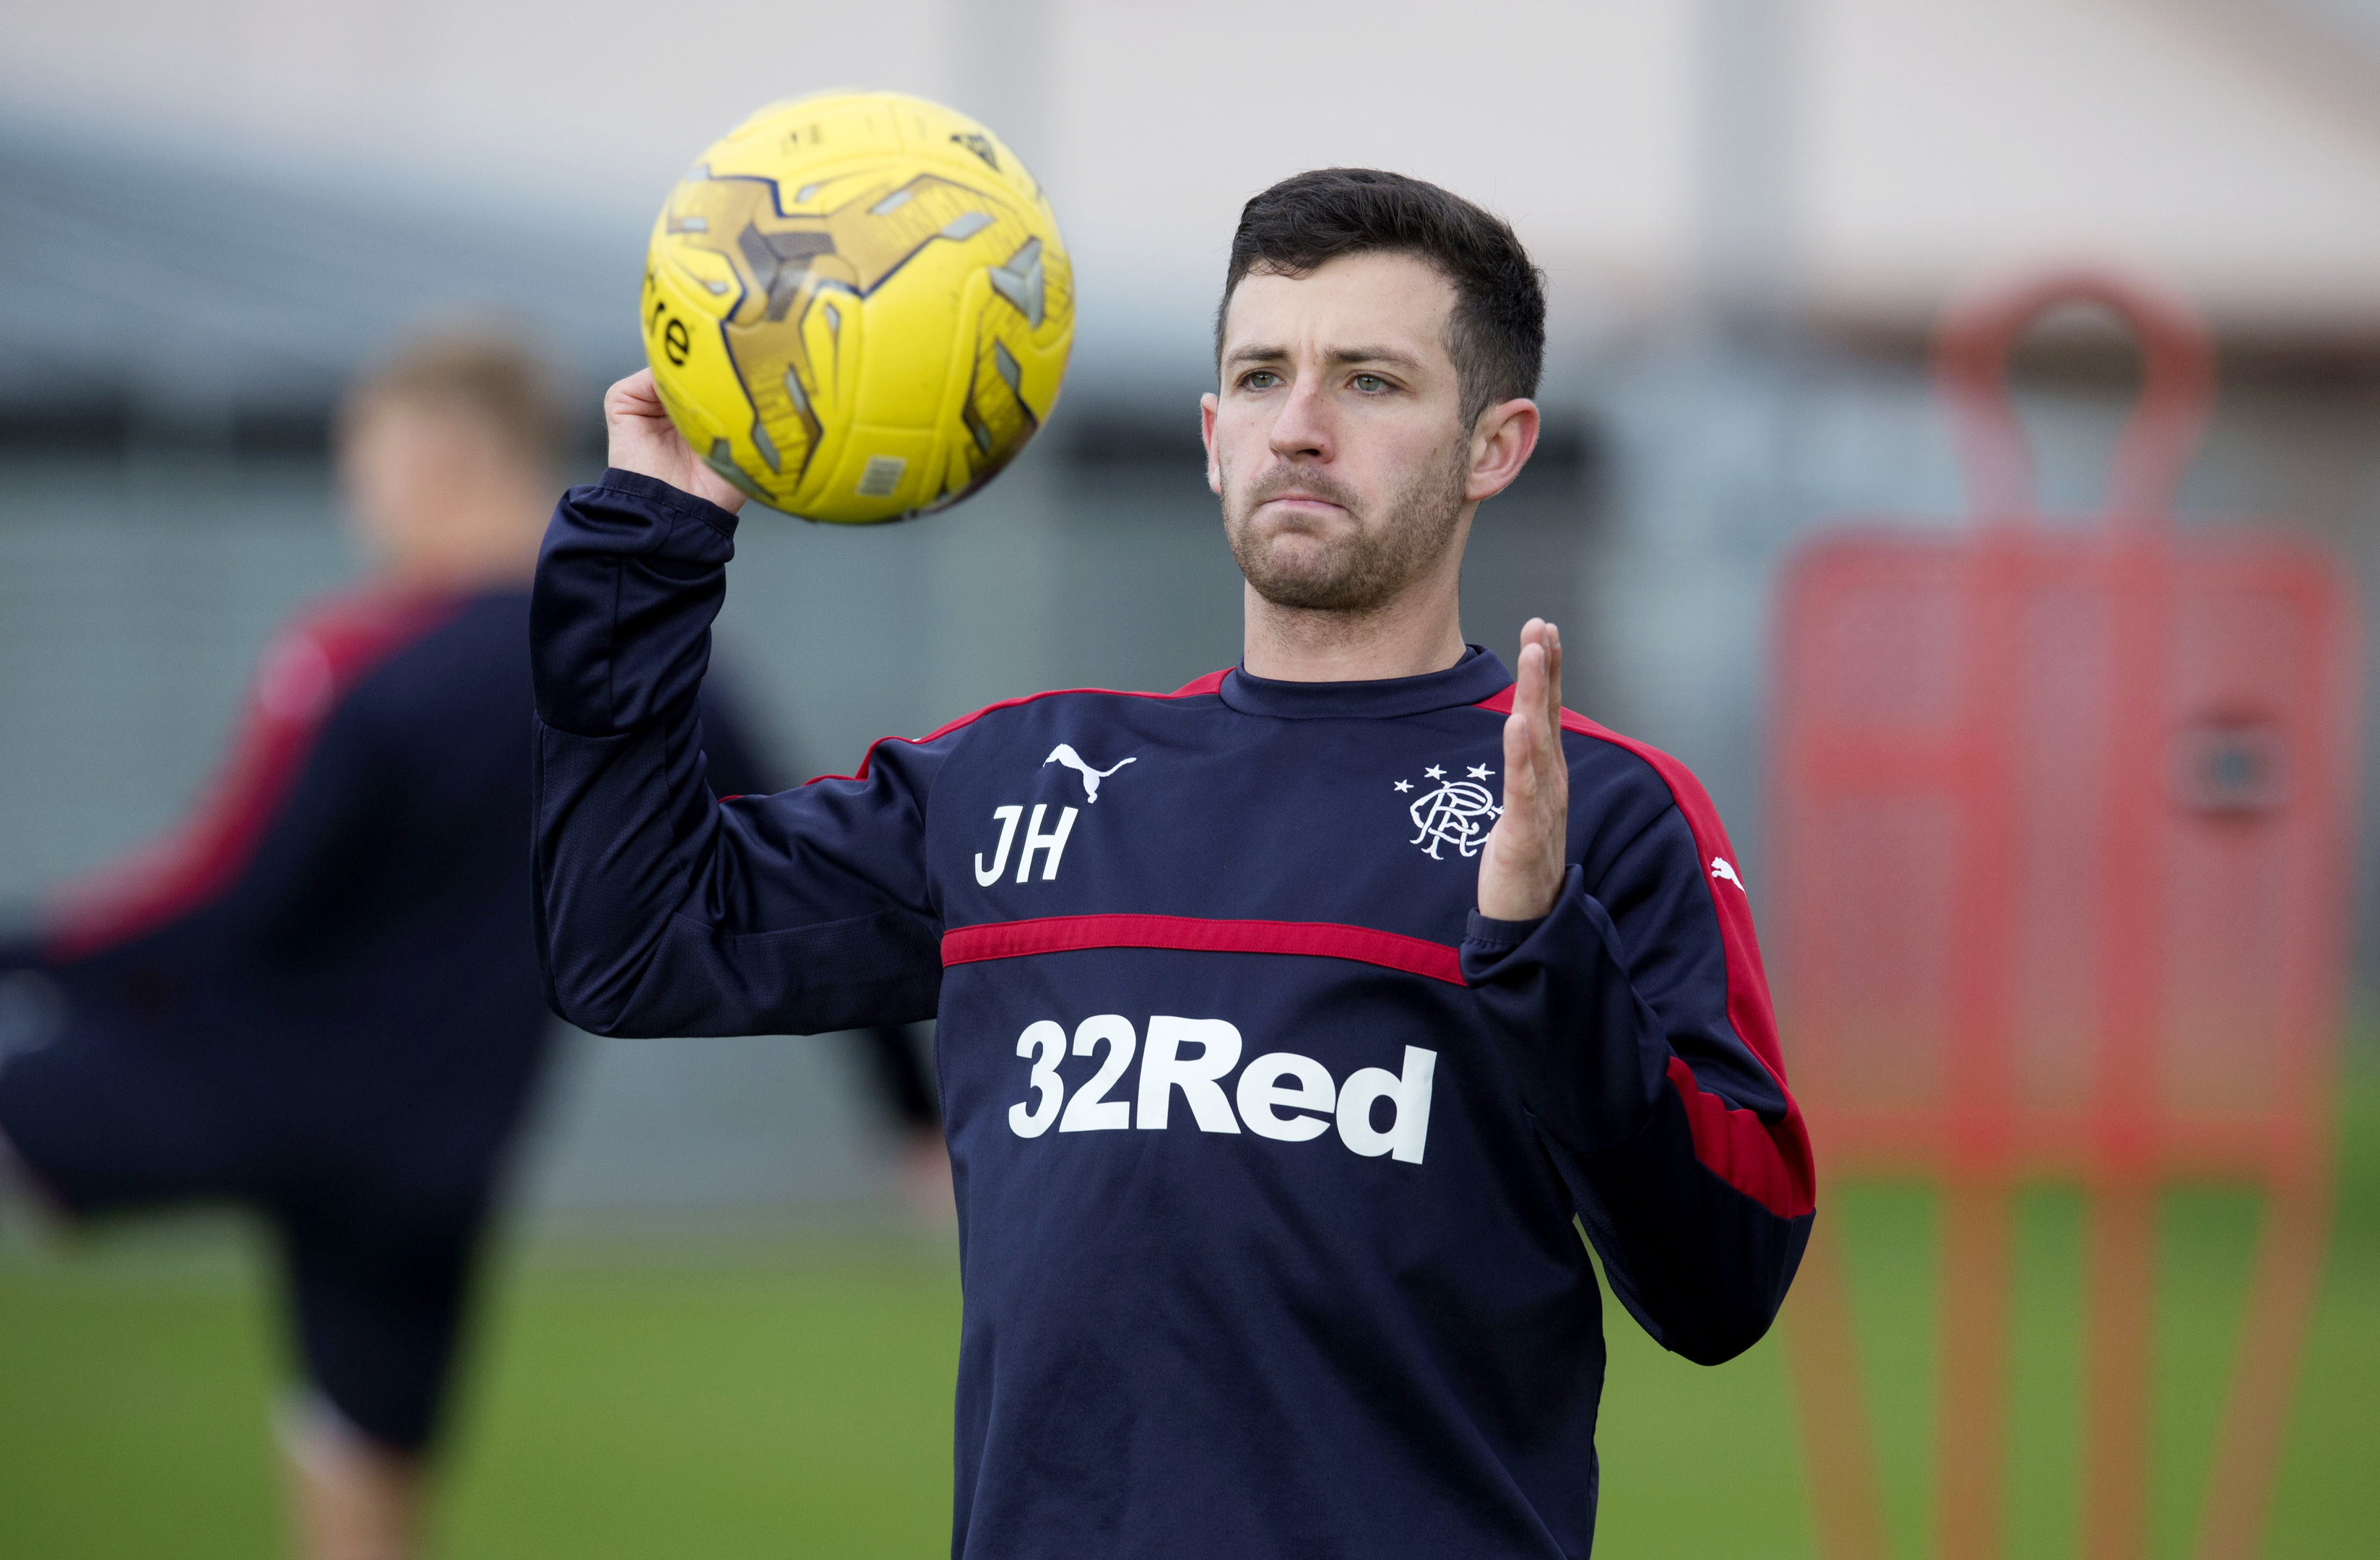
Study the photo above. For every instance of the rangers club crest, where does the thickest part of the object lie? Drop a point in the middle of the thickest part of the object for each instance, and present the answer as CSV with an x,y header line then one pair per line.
x,y
1458,812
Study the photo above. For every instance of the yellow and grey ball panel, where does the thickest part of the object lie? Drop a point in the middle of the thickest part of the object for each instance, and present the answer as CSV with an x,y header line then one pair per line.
x,y
788,362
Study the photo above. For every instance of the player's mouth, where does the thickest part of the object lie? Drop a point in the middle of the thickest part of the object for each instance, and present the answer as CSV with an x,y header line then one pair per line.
x,y
1303,504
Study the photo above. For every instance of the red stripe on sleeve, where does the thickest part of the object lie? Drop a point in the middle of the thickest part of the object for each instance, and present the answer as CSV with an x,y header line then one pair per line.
x,y
1769,1164
1772,1164
1321,939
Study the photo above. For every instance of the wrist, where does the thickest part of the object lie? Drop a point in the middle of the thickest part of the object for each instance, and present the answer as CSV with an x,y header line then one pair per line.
x,y
1494,936
1510,902
678,501
688,473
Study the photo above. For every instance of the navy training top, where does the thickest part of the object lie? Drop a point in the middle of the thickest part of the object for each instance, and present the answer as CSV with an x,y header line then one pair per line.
x,y
1267,1147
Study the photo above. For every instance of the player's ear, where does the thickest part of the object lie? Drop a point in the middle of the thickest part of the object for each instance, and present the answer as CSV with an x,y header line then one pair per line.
x,y
1207,404
1500,442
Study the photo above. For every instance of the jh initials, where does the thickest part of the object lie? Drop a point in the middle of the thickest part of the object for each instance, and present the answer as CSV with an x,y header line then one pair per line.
x,y
1054,843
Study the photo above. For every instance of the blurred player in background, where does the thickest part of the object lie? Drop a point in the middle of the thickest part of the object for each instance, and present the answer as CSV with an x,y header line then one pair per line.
x,y
320,997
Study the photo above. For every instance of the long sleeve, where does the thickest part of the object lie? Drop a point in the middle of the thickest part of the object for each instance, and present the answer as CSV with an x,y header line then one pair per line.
x,y
738,764
1643,1050
663,910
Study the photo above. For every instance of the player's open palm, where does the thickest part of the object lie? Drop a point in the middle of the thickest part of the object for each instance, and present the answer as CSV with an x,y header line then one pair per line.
x,y
1520,866
644,441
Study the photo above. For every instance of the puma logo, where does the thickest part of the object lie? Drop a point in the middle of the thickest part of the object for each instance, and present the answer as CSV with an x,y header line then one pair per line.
x,y
1065,753
1722,868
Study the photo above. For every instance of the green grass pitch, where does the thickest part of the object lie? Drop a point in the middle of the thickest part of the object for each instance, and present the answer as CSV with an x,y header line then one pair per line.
x,y
785,1396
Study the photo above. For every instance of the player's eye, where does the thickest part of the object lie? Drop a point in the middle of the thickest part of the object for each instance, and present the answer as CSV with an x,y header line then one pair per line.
x,y
1370,384
1259,379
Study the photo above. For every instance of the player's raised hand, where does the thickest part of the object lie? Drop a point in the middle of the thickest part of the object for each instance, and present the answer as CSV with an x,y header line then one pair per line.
x,y
1520,866
644,441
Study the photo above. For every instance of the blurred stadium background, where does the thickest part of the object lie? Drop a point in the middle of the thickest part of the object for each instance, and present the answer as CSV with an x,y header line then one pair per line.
x,y
716,1335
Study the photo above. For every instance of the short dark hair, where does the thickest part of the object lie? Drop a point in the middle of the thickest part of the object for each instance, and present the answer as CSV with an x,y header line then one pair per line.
x,y
1496,336
483,376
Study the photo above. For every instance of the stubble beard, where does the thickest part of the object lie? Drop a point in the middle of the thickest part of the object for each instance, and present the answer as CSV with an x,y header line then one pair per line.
x,y
1365,566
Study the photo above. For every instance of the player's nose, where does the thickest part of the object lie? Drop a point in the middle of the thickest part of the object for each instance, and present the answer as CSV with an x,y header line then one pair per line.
x,y
1302,428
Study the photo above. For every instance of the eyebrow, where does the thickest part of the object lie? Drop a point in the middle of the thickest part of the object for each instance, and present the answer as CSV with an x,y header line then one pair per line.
x,y
1337,358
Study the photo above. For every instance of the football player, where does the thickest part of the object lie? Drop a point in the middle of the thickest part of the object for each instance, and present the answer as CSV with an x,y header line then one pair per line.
x,y
1295,1025
320,999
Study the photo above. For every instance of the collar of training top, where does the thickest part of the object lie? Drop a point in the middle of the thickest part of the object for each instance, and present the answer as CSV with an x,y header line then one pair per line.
x,y
1477,676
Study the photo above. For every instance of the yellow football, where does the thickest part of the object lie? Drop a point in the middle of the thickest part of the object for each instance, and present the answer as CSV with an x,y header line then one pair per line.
x,y
857,307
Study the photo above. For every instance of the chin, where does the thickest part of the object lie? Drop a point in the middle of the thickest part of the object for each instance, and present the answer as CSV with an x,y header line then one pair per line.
x,y
1300,554
1307,562
1294,561
1323,585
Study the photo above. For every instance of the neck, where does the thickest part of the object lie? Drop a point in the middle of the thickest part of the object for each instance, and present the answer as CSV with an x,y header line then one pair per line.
x,y
1416,632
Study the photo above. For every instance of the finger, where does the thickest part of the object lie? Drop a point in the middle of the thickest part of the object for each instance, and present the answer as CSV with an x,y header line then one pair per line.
x,y
1546,769
1520,731
1545,702
1559,763
1551,639
1530,671
1555,786
1520,775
